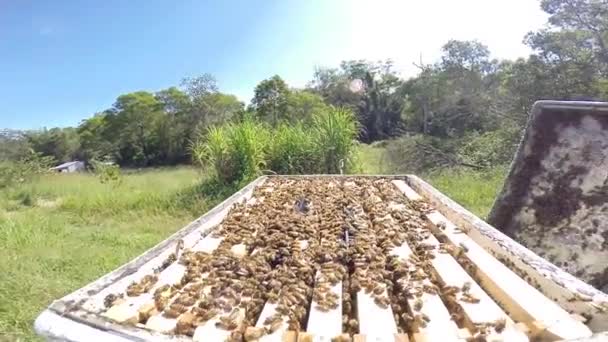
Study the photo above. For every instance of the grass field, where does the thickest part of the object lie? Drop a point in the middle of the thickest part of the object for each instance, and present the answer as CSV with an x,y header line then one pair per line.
x,y
62,231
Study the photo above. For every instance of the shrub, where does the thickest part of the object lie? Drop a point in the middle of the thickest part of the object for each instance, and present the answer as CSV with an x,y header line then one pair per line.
x,y
240,151
490,148
107,172
235,151
335,131
292,151
13,173
418,153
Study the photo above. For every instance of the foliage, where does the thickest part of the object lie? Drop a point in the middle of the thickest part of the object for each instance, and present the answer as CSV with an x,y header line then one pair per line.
x,y
335,131
270,100
234,151
240,151
59,232
371,90
418,153
14,173
292,150
490,148
107,172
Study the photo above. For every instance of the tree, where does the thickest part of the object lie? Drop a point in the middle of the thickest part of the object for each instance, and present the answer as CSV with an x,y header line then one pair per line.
x,y
133,121
303,104
62,144
586,16
367,88
96,141
270,100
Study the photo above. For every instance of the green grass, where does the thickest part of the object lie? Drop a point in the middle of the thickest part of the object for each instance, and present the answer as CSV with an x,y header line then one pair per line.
x,y
474,190
62,231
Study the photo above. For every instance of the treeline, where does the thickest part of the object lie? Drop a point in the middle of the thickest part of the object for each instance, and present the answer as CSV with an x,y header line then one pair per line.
x,y
466,97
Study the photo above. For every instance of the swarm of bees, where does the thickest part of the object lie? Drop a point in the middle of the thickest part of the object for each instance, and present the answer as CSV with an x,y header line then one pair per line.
x,y
299,240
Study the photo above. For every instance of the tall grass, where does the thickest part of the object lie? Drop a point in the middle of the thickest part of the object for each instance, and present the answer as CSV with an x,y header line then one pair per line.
x,y
335,131
233,151
240,151
292,150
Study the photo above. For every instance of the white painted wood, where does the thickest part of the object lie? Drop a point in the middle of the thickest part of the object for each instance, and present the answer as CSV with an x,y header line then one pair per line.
x,y
486,311
376,323
325,325
57,328
441,327
269,310
524,302
552,281
128,311
209,332
96,302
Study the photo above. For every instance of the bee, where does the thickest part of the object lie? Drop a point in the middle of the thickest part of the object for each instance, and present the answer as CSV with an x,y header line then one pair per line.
x,y
235,336
272,328
500,324
272,319
209,315
418,304
253,333
226,323
171,313
469,298
110,299
184,325
378,290
382,302
353,324
342,338
185,299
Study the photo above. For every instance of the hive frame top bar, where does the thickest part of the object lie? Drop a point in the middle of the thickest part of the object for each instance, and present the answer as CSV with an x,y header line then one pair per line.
x,y
65,320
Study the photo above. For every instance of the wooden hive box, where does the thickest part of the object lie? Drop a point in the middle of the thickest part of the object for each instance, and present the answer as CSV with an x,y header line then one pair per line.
x,y
399,261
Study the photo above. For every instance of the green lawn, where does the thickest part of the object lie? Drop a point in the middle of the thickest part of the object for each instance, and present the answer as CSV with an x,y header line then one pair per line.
x,y
62,231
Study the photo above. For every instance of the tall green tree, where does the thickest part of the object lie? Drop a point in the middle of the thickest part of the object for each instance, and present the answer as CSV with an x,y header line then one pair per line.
x,y
133,122
270,100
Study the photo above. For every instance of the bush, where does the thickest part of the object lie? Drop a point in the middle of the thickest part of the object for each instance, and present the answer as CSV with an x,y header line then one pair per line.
x,y
22,171
490,148
419,153
240,151
234,151
108,173
292,151
335,131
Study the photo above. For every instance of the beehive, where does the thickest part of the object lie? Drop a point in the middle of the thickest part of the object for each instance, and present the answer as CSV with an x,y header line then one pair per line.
x,y
320,258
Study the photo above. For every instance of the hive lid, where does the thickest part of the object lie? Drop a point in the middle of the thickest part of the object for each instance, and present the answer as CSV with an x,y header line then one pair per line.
x,y
555,195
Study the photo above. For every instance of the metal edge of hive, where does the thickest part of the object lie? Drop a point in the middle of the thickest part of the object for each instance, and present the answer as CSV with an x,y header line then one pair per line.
x,y
552,281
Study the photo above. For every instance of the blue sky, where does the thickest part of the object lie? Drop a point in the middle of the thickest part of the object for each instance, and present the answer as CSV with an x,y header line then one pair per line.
x,y
61,61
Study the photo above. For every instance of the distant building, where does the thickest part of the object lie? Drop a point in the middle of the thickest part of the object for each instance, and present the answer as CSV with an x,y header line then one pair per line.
x,y
73,166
